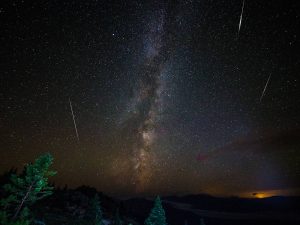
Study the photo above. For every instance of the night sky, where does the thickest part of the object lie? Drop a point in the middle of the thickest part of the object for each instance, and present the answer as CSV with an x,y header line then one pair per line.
x,y
167,98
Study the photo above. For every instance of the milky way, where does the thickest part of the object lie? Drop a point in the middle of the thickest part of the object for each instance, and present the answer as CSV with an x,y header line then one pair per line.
x,y
147,101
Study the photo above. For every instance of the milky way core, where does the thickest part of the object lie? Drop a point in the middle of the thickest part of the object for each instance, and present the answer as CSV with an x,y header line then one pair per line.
x,y
147,102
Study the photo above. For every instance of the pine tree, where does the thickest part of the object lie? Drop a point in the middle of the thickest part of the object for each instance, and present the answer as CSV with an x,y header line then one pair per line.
x,y
202,222
117,219
26,189
96,210
157,215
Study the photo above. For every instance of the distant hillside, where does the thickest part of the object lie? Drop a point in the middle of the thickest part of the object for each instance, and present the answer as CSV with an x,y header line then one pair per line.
x,y
70,206
235,204
214,210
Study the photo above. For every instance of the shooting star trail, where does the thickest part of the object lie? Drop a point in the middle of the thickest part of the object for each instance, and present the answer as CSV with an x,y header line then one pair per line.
x,y
265,88
73,119
241,17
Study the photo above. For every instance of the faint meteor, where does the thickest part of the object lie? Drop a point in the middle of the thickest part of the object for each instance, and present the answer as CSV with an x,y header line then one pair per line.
x,y
73,119
265,88
241,17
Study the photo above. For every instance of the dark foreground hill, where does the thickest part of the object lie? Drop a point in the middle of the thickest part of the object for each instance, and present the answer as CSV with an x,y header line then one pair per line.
x,y
190,209
71,207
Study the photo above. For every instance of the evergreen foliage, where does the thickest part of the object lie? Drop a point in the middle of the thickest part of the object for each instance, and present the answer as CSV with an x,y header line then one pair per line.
x,y
97,211
157,215
25,189
117,219
202,222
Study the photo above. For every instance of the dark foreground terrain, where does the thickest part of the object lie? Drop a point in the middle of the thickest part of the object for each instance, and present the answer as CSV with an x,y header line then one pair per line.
x,y
71,207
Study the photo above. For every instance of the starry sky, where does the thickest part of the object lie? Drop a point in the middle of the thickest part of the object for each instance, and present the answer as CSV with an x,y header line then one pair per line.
x,y
154,97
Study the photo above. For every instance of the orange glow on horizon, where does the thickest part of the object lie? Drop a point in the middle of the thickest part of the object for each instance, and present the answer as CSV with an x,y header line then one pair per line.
x,y
261,195
270,193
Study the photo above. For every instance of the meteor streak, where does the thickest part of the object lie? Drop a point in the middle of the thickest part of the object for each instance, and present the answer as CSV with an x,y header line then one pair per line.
x,y
265,88
73,119
241,17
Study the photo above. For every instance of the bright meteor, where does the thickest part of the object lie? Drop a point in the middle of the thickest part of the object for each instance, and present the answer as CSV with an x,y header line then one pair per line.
x,y
265,88
241,17
75,126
